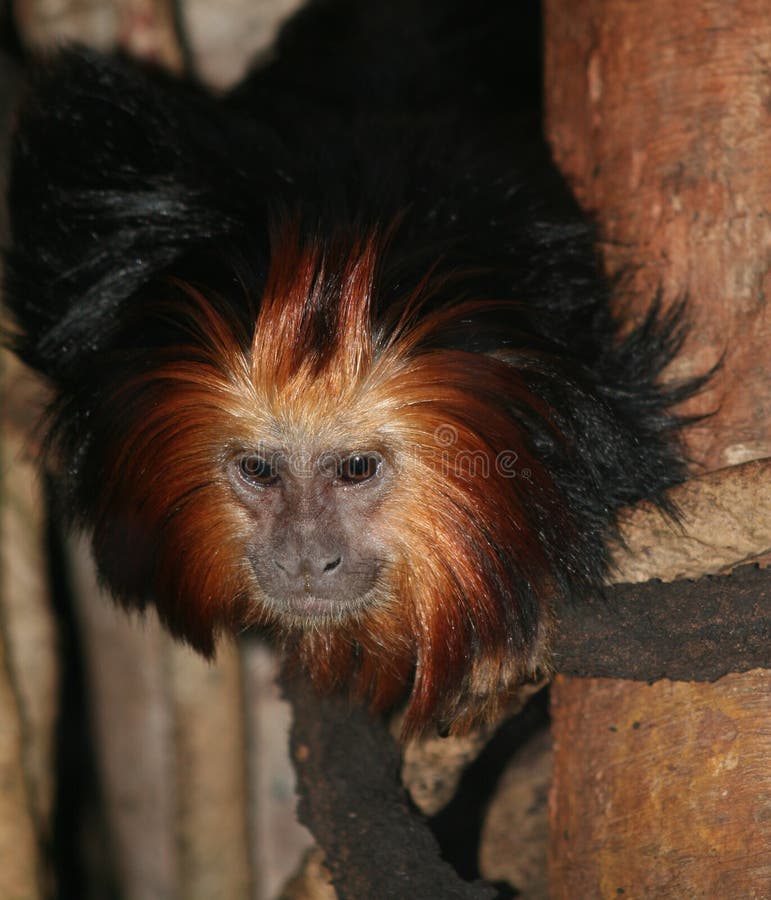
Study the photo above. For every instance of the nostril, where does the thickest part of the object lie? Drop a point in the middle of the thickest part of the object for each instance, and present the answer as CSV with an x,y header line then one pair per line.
x,y
305,567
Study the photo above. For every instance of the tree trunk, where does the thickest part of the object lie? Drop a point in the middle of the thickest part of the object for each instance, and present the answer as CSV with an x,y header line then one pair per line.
x,y
659,116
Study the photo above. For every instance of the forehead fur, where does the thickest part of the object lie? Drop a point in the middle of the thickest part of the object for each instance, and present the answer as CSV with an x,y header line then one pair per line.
x,y
313,332
311,374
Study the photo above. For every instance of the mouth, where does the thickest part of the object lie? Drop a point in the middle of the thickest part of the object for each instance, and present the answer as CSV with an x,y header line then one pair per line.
x,y
313,607
309,610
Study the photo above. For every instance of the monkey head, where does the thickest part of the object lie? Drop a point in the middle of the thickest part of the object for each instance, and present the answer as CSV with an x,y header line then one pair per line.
x,y
326,470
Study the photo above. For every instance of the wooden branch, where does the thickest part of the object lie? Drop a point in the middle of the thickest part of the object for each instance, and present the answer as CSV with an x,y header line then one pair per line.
x,y
684,630
352,799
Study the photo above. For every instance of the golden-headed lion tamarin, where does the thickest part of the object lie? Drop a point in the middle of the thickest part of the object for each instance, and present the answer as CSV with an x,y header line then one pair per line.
x,y
332,354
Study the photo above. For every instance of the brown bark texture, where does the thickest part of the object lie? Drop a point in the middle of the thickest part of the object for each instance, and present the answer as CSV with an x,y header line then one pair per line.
x,y
684,630
659,793
353,801
659,115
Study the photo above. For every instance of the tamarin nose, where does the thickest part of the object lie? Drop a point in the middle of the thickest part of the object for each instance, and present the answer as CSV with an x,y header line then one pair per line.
x,y
307,566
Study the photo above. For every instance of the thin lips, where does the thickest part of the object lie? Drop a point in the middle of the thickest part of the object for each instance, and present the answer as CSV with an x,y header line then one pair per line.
x,y
310,604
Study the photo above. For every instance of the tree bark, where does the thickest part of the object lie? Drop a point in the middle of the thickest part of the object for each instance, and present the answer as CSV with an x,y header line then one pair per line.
x,y
352,800
684,631
659,115
656,797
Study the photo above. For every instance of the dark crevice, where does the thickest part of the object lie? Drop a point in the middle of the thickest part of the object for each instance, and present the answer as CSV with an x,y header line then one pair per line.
x,y
81,856
457,827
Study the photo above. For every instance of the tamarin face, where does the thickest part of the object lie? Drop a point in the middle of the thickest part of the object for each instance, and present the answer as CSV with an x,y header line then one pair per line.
x,y
316,551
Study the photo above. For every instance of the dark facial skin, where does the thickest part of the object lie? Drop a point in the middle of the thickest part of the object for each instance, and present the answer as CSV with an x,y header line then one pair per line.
x,y
315,551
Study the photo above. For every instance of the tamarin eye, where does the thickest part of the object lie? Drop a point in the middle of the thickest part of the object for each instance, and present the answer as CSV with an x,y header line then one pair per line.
x,y
257,470
358,468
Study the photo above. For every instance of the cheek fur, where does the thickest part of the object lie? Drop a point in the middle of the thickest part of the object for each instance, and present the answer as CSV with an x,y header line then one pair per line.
x,y
167,526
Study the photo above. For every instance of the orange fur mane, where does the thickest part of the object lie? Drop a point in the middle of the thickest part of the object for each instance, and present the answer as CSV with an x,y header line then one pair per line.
x,y
457,610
